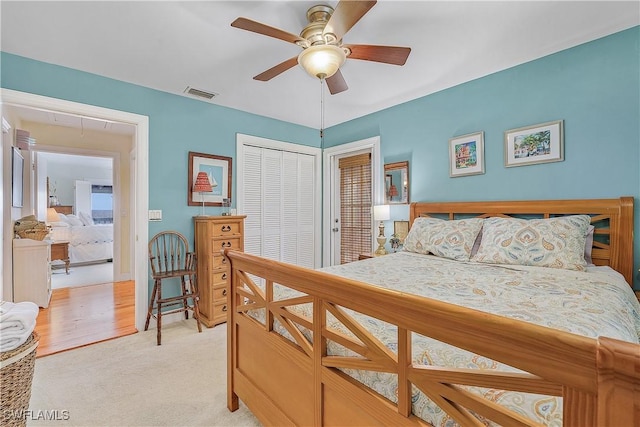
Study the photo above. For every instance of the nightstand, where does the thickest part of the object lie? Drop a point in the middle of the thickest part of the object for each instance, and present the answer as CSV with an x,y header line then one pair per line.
x,y
365,256
60,250
638,295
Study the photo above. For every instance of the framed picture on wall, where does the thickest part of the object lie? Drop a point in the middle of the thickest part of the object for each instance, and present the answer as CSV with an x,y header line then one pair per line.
x,y
535,144
218,171
466,155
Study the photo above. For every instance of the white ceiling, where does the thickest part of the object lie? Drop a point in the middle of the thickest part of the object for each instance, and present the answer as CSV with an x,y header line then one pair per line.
x,y
171,45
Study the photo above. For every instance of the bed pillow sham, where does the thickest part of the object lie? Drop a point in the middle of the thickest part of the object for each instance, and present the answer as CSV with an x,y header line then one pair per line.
x,y
74,221
448,239
552,242
86,219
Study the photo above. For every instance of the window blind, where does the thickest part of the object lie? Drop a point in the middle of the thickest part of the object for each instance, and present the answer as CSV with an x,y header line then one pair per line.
x,y
355,206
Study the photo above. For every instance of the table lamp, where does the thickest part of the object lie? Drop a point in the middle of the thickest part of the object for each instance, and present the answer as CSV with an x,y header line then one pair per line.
x,y
203,185
52,215
381,213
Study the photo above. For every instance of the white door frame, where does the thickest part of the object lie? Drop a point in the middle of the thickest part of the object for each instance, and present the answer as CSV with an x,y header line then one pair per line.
x,y
243,140
330,189
140,234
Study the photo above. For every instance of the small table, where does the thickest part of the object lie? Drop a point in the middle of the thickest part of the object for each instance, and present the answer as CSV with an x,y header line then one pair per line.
x,y
60,250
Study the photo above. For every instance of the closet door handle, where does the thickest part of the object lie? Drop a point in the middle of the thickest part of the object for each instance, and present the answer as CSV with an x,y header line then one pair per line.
x,y
226,228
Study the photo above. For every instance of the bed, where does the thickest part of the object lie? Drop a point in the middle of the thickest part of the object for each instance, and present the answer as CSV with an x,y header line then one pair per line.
x,y
88,242
324,347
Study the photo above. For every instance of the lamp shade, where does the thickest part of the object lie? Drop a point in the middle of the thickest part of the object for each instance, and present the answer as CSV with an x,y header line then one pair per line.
x,y
322,61
202,184
52,215
381,213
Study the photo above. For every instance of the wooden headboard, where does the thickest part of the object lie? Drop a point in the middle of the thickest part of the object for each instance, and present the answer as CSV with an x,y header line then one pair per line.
x,y
613,219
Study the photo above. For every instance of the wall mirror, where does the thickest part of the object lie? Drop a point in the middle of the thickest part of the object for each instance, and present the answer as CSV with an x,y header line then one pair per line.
x,y
396,183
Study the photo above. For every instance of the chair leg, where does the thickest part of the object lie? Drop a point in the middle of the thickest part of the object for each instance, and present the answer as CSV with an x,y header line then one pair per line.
x,y
185,305
159,315
193,284
196,313
151,303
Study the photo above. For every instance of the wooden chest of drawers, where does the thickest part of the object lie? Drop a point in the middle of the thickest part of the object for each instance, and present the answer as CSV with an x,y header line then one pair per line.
x,y
212,235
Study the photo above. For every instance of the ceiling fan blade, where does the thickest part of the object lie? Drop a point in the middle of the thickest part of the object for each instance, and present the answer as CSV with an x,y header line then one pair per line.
x,y
388,54
277,70
345,16
336,83
257,27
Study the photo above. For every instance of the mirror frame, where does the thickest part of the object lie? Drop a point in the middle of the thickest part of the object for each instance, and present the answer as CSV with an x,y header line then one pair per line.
x,y
389,168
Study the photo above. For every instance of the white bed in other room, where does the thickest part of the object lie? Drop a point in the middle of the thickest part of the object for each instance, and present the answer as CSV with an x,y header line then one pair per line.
x,y
88,242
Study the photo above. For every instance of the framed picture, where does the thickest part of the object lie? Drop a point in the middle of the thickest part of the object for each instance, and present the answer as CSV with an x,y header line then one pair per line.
x,y
530,145
17,170
466,155
218,169
401,229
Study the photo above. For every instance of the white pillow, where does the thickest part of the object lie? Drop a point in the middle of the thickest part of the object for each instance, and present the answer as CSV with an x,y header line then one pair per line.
x,y
74,221
63,218
86,218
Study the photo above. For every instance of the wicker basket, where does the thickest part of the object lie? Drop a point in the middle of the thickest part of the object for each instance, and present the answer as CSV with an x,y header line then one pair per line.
x,y
16,375
38,234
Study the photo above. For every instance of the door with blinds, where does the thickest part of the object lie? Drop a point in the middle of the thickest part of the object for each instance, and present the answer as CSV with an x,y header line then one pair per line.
x,y
353,207
277,193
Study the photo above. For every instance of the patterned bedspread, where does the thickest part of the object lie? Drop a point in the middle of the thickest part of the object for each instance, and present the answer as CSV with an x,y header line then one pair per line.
x,y
594,303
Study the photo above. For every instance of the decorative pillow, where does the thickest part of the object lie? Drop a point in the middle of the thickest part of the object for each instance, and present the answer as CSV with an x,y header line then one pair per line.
x,y
553,242
448,239
588,245
86,218
63,218
74,220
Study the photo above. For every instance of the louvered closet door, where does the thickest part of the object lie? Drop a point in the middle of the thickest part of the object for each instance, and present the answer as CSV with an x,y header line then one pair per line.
x,y
278,200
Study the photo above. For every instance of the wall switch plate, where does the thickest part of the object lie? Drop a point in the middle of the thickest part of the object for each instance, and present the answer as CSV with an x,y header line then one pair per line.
x,y
155,215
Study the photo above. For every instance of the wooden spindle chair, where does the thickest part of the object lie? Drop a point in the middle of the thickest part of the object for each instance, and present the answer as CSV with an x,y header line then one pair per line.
x,y
170,258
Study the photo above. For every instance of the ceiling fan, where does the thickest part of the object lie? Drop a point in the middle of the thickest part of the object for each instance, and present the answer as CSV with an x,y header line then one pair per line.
x,y
321,40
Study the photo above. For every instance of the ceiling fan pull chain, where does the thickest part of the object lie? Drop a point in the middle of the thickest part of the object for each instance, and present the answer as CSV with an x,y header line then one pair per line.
x,y
321,115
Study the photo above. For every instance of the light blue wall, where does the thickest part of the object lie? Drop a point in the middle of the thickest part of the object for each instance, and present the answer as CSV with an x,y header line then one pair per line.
x,y
594,88
177,125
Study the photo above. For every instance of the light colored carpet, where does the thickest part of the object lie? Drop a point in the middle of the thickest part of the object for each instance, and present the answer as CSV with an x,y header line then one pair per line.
x,y
81,275
131,381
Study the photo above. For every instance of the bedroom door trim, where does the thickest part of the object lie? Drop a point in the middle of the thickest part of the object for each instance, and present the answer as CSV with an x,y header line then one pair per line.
x,y
330,191
140,182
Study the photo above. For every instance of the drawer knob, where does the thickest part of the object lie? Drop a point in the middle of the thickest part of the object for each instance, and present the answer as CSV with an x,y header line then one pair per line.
x,y
224,307
226,244
224,293
224,276
226,228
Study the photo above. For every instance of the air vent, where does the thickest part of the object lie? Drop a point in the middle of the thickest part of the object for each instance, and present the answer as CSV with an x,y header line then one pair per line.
x,y
199,93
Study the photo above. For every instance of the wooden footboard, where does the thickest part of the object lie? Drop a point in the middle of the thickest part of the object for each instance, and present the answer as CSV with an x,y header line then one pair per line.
x,y
293,381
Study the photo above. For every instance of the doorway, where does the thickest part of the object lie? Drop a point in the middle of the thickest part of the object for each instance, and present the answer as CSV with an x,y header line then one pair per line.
x,y
335,199
138,234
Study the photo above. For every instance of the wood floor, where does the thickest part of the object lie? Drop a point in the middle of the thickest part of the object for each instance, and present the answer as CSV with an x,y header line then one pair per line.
x,y
85,315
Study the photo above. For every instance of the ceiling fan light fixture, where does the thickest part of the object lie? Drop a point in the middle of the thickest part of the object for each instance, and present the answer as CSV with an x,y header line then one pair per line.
x,y
322,61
